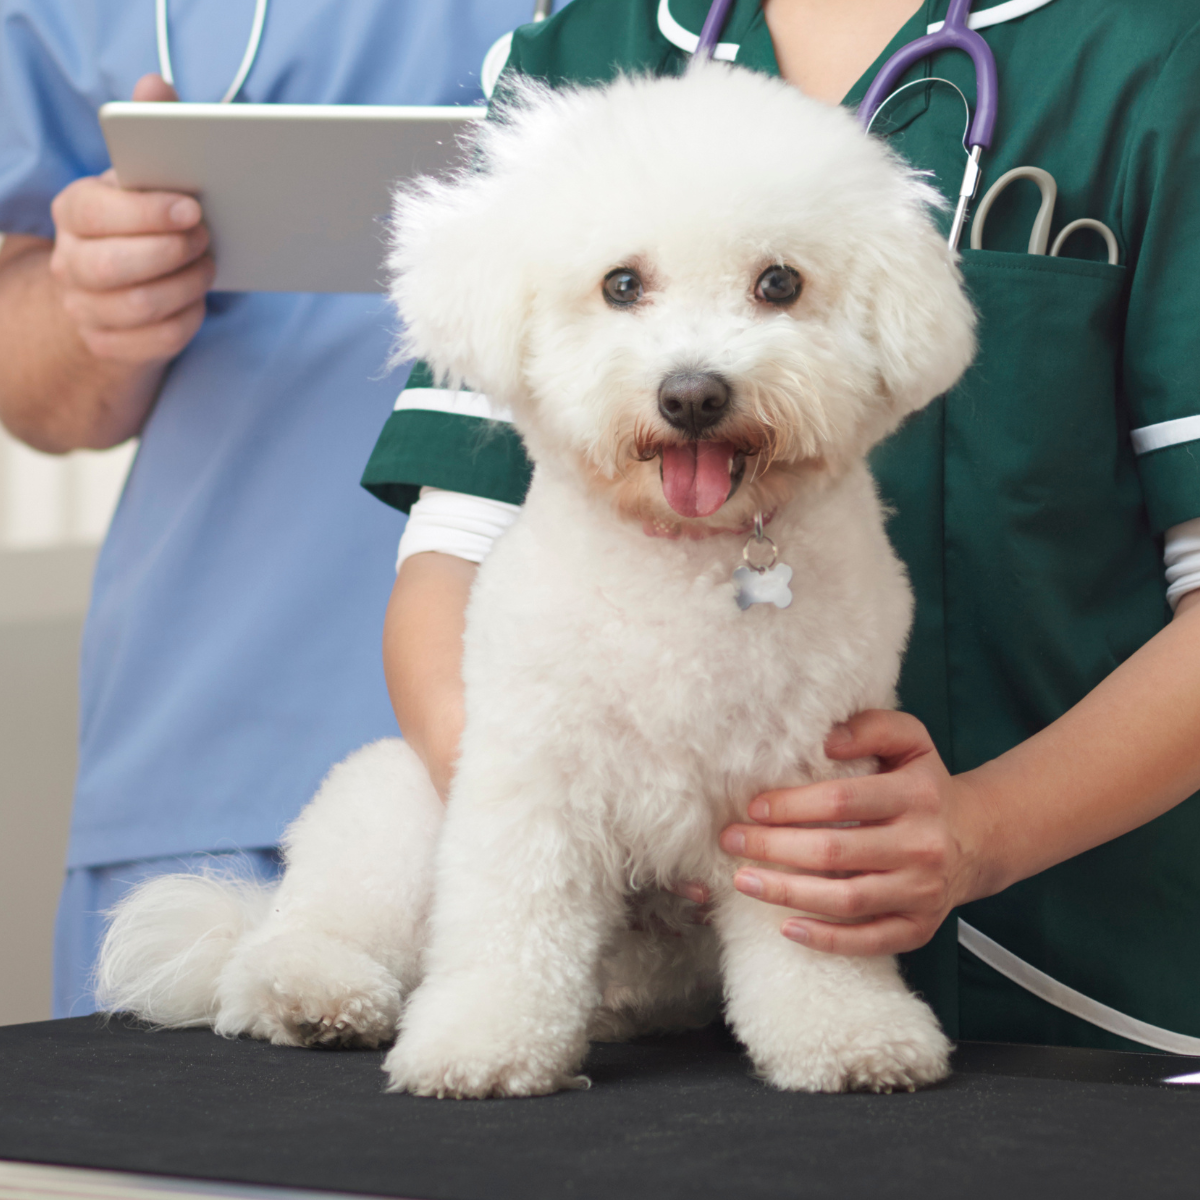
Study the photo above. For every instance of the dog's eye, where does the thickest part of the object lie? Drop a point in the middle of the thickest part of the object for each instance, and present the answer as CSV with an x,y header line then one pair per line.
x,y
622,287
778,285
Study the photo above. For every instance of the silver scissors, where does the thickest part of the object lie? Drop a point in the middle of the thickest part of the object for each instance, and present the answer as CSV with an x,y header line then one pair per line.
x,y
1039,234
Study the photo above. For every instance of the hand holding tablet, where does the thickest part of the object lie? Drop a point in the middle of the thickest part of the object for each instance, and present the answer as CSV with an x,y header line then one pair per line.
x,y
294,196
132,268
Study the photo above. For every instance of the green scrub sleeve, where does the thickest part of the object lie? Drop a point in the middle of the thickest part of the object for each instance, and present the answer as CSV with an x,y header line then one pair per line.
x,y
445,439
1160,216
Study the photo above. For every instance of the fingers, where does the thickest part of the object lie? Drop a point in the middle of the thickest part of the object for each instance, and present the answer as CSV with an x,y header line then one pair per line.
x,y
863,798
147,344
893,737
697,893
147,322
895,934
874,859
858,898
144,304
918,844
97,207
153,87
106,264
857,799
132,268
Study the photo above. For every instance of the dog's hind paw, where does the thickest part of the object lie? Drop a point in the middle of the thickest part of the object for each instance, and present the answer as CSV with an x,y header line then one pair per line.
x,y
309,991
362,1021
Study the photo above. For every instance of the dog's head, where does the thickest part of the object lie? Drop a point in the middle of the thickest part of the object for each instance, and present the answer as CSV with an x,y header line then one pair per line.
x,y
697,292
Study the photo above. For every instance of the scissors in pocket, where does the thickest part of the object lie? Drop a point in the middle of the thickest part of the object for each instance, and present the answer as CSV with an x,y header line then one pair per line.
x,y
1039,234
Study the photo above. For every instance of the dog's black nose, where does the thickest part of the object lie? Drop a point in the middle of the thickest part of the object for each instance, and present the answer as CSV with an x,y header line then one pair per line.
x,y
693,401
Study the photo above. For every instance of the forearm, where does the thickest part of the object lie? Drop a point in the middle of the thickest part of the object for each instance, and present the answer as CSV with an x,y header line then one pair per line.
x,y
1125,754
54,393
422,657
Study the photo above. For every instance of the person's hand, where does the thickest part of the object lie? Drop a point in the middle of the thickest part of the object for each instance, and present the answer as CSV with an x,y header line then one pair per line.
x,y
884,885
132,268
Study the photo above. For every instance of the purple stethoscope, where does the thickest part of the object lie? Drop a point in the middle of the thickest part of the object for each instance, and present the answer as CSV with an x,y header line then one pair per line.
x,y
953,35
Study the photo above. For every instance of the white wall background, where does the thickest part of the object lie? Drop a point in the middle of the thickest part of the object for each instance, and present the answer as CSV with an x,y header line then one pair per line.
x,y
49,501
53,515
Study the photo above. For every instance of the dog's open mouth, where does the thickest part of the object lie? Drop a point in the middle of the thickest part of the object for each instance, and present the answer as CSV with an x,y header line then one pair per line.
x,y
698,477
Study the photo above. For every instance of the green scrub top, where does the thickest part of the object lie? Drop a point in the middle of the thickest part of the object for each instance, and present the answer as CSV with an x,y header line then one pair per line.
x,y
1030,527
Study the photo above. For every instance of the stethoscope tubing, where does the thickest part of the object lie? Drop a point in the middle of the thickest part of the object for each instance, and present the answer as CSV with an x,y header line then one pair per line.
x,y
163,37
713,24
541,10
955,34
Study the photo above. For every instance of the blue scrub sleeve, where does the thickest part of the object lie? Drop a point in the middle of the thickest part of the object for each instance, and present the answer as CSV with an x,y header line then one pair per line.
x,y
49,132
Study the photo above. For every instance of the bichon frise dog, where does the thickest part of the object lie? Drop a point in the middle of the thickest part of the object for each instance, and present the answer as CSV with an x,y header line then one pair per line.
x,y
703,299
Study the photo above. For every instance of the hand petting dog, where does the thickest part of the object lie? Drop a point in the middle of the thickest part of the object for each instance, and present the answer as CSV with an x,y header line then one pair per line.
x,y
883,884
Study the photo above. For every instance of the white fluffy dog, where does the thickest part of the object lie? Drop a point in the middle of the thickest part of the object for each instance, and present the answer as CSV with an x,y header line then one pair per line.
x,y
704,299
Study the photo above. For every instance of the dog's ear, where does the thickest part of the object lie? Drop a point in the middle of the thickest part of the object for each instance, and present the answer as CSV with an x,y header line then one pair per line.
x,y
461,282
924,325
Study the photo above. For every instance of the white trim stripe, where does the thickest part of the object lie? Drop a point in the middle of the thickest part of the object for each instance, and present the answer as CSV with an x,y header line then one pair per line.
x,y
446,400
678,36
997,14
494,62
1164,434
687,41
1068,999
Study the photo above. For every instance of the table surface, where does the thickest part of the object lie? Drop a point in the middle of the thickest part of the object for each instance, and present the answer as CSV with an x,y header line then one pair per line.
x,y
666,1117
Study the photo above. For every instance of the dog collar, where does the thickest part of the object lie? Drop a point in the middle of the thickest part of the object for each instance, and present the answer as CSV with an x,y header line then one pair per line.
x,y
674,532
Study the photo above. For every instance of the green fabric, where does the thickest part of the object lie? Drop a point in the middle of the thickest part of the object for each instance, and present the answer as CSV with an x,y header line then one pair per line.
x,y
460,454
424,448
1030,530
1026,522
1170,481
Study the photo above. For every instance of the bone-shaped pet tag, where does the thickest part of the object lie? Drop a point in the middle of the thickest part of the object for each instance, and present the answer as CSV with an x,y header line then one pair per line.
x,y
762,583
763,587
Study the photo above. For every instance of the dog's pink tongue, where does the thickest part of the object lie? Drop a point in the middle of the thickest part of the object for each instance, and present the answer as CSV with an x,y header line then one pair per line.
x,y
696,477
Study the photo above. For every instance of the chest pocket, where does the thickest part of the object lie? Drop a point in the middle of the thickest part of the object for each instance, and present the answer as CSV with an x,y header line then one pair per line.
x,y
1019,511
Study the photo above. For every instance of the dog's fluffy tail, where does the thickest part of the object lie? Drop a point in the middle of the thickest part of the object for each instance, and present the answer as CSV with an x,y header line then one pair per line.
x,y
168,941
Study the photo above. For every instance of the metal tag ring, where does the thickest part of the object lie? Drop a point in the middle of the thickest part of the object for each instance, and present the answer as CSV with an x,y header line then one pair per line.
x,y
756,541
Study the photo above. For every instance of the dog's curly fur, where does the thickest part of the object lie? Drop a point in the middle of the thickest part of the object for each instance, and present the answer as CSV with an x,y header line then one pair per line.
x,y
621,709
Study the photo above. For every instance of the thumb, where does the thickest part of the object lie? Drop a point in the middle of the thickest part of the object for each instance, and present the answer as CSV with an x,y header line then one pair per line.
x,y
895,738
153,87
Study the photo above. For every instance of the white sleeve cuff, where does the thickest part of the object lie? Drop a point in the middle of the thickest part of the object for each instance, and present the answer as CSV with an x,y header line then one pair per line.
x,y
454,523
1181,553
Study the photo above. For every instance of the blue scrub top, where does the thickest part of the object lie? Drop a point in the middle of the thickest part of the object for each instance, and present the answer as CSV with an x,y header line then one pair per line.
x,y
231,653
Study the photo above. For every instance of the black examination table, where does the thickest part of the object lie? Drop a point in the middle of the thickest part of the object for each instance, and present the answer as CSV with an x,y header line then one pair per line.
x,y
667,1117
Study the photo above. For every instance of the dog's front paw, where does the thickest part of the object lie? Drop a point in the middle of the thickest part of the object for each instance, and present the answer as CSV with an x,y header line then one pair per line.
x,y
471,1072
895,1045
473,1039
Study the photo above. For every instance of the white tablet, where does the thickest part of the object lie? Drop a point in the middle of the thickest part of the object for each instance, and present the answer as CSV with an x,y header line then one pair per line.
x,y
295,195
